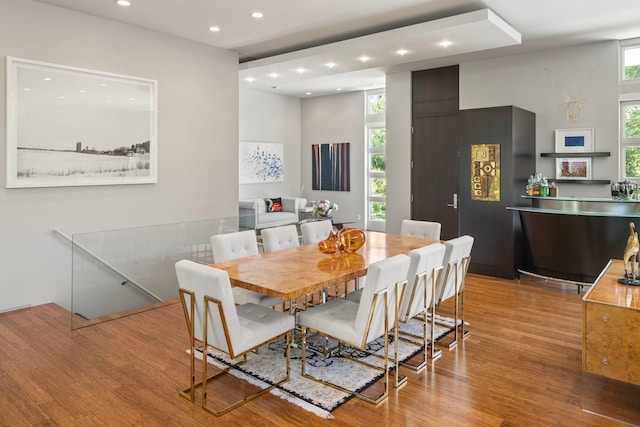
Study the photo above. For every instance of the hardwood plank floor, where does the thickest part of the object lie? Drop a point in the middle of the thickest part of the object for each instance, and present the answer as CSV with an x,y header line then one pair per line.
x,y
521,366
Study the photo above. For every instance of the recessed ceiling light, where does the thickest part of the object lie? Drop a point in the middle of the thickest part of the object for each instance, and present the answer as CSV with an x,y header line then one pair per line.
x,y
402,52
124,3
26,89
445,43
330,64
61,97
339,89
103,84
249,79
274,75
309,93
364,58
131,99
300,70
46,79
214,29
257,15
82,91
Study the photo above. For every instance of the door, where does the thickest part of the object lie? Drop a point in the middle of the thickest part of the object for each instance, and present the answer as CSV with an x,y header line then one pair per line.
x,y
435,148
435,172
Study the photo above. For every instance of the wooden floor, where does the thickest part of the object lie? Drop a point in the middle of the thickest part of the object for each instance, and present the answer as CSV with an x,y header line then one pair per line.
x,y
521,366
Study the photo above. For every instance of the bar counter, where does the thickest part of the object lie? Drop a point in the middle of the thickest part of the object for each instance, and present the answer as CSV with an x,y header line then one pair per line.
x,y
573,239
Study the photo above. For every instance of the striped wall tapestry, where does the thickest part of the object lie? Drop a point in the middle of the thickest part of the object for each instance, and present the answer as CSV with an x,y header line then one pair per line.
x,y
331,168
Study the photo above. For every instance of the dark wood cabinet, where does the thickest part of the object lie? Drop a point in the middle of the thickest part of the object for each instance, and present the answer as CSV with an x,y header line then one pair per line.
x,y
497,249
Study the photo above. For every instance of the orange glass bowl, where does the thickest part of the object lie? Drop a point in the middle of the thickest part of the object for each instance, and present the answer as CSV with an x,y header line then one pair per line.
x,y
330,245
351,239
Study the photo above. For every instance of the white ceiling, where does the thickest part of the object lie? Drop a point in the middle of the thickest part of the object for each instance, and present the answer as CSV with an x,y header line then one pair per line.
x,y
308,33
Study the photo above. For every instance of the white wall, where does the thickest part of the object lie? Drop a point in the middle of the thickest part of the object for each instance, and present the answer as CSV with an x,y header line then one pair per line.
x,y
330,119
197,140
267,117
520,80
398,122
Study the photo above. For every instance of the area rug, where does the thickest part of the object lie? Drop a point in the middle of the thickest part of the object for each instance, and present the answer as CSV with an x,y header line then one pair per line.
x,y
267,365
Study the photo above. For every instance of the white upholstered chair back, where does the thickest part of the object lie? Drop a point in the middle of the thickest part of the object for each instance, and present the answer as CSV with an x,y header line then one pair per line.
x,y
454,266
423,229
234,245
239,245
384,274
279,238
315,231
421,274
204,280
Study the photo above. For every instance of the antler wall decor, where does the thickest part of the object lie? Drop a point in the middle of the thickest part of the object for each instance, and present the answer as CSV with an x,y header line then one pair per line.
x,y
573,106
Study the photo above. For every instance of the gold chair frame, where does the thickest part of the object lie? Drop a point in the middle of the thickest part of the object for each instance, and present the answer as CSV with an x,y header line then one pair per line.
x,y
383,293
189,392
434,354
459,299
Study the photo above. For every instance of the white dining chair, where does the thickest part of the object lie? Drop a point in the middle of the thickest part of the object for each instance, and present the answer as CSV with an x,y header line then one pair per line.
x,y
357,324
279,238
419,297
418,300
315,231
423,229
239,245
214,320
456,262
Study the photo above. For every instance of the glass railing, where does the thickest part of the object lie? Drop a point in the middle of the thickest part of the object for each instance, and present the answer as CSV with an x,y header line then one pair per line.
x,y
116,273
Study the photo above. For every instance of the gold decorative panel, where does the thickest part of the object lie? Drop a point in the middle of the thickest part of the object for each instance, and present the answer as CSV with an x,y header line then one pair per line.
x,y
485,172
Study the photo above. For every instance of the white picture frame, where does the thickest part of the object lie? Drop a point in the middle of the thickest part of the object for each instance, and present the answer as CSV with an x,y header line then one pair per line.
x,y
573,168
260,162
69,126
574,140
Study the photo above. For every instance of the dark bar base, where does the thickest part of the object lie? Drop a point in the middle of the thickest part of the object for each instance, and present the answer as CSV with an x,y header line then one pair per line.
x,y
572,247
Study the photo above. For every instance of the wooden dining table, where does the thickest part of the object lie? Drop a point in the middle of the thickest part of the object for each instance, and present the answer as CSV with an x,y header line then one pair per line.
x,y
291,273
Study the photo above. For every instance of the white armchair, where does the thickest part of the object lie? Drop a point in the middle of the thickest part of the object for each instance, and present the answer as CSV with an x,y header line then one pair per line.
x,y
315,231
279,238
213,319
451,284
357,324
239,245
253,213
423,229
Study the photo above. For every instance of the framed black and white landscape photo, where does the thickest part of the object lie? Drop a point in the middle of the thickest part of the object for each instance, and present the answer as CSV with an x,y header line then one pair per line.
x,y
69,126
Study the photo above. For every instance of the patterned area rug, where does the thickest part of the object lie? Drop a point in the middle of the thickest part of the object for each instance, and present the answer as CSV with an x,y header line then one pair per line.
x,y
265,366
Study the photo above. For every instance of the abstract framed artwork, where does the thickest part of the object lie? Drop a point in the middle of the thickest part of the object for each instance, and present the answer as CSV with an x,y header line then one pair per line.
x,y
68,126
261,162
330,167
578,168
574,140
485,172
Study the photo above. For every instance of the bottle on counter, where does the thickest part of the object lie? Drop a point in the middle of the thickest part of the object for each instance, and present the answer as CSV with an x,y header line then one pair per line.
x,y
530,186
544,187
536,184
553,190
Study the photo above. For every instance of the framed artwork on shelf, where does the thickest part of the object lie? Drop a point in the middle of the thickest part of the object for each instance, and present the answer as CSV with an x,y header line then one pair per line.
x,y
578,168
574,140
68,126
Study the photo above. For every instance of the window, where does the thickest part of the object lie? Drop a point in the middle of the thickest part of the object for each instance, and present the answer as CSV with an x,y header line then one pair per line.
x,y
630,138
630,61
376,178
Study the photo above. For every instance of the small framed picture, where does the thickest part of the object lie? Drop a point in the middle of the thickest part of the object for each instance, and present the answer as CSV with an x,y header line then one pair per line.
x,y
574,140
573,168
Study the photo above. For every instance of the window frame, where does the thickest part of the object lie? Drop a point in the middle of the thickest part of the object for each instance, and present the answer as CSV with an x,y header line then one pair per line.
x,y
624,46
373,121
625,141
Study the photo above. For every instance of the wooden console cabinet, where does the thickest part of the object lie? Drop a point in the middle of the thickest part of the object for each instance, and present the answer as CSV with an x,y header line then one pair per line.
x,y
611,329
